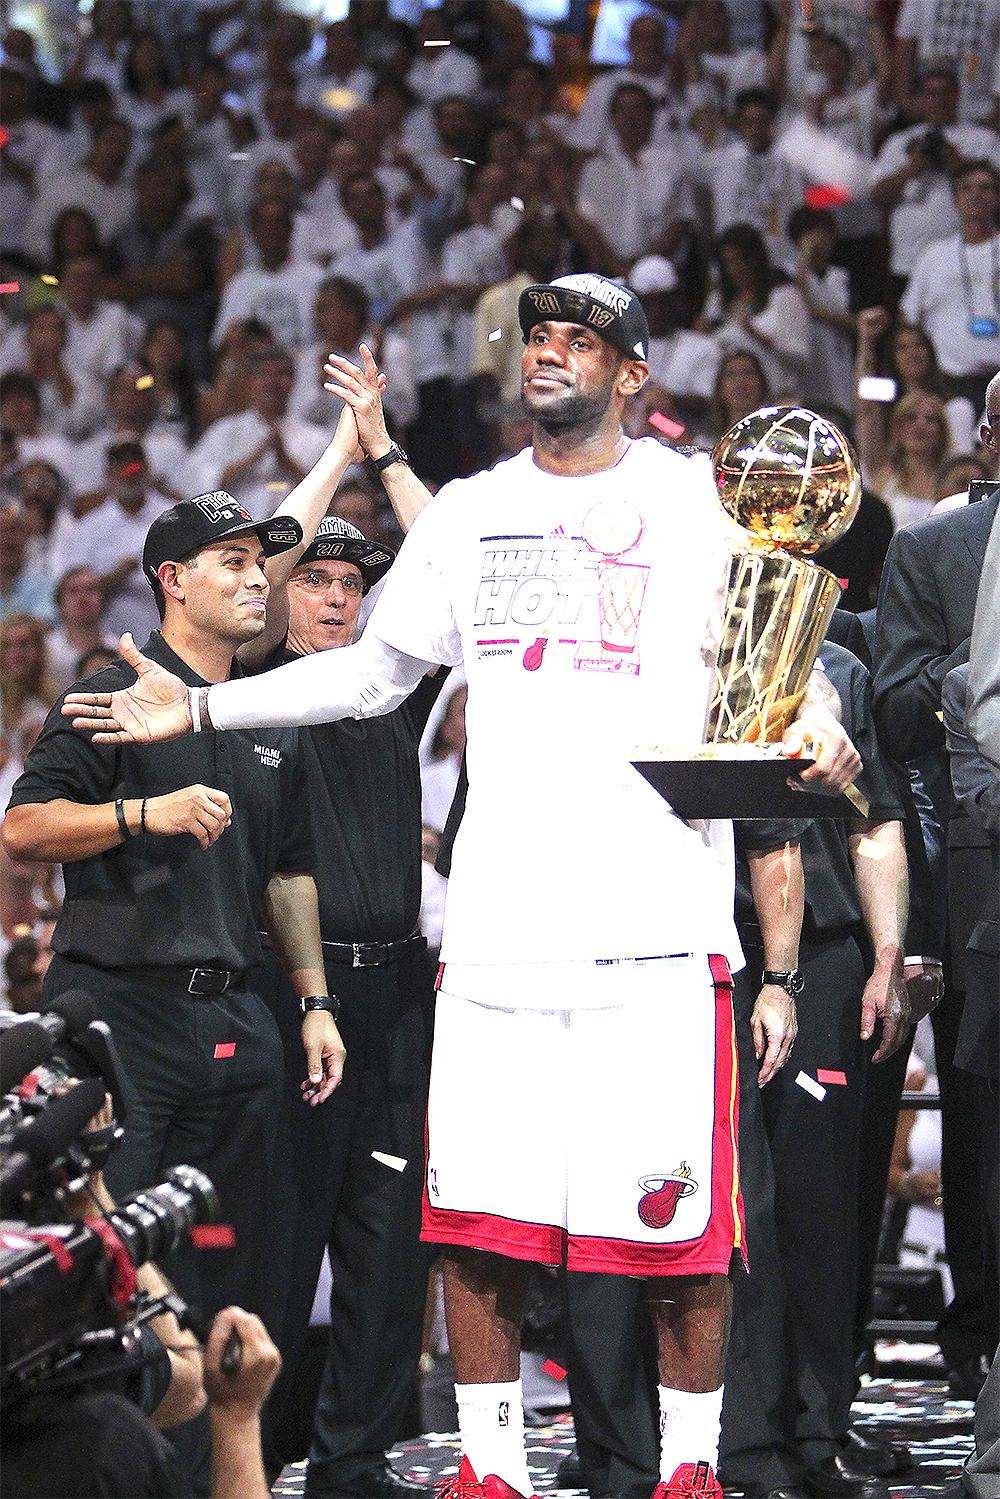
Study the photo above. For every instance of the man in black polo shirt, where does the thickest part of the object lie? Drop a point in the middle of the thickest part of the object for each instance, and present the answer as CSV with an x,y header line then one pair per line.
x,y
172,854
355,1168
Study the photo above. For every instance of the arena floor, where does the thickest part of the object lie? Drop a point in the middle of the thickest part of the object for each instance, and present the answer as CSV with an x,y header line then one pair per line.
x,y
921,1413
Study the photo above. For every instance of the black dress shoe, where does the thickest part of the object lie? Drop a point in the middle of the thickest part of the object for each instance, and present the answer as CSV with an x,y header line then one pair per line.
x,y
832,1479
866,1454
373,1483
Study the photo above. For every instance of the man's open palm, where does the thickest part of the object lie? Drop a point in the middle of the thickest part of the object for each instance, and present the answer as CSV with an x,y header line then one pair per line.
x,y
156,707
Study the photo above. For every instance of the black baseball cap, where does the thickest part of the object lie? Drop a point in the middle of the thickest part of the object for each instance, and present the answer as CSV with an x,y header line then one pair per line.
x,y
338,538
192,524
613,311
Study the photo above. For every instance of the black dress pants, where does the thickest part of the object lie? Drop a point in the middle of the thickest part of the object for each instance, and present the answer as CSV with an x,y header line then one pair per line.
x,y
195,1102
351,1180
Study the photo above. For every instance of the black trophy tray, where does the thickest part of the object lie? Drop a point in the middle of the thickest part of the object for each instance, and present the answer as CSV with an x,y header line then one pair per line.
x,y
743,788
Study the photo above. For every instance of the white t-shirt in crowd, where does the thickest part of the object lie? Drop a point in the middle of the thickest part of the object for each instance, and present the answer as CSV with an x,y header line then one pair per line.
x,y
762,189
965,33
575,658
472,256
952,284
102,539
686,363
165,454
634,202
829,378
283,300
263,486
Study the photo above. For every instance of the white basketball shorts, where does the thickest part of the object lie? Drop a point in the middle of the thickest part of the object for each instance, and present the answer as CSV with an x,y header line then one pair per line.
x,y
604,1139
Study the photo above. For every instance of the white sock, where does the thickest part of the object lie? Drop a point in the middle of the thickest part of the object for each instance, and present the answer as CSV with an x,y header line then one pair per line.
x,y
689,1428
491,1424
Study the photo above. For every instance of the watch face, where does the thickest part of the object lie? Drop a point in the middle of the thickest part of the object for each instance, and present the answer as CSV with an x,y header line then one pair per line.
x,y
796,984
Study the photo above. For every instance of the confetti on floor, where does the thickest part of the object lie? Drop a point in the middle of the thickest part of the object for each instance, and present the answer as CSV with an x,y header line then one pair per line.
x,y
920,1413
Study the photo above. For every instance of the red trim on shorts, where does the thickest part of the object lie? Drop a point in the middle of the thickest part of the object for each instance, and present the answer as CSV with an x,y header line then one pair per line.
x,y
727,1225
543,1243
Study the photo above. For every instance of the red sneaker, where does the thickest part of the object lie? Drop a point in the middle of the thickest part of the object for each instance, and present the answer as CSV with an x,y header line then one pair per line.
x,y
690,1481
468,1486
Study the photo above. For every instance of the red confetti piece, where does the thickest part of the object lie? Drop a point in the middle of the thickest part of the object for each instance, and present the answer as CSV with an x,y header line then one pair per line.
x,y
10,286
823,1075
553,1370
213,1236
826,195
28,1086
843,582
225,1049
4,136
664,424
130,470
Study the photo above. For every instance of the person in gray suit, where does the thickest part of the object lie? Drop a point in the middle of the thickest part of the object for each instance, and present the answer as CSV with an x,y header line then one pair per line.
x,y
923,630
973,730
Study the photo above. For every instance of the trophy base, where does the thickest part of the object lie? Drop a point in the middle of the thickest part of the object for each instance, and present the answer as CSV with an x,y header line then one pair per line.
x,y
741,781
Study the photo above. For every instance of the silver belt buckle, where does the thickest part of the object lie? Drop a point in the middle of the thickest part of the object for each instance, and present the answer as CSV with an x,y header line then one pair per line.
x,y
356,949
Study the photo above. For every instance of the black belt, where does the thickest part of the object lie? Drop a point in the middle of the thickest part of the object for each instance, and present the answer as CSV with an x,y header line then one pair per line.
x,y
369,954
201,982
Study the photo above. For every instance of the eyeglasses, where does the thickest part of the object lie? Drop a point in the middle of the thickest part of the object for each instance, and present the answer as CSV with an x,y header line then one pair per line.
x,y
319,582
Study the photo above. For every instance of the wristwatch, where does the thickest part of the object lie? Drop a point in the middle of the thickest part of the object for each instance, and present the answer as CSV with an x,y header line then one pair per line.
x,y
328,1002
394,455
789,979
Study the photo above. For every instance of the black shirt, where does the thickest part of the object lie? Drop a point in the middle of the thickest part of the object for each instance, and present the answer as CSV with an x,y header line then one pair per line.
x,y
157,901
831,893
858,556
364,786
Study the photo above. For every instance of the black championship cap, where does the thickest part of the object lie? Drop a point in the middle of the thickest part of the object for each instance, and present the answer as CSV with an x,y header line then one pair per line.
x,y
338,539
611,310
192,524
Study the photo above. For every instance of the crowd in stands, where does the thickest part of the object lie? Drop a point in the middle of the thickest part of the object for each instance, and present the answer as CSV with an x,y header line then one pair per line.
x,y
201,201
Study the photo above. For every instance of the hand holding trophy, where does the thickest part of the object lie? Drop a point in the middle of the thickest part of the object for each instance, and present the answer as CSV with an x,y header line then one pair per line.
x,y
789,481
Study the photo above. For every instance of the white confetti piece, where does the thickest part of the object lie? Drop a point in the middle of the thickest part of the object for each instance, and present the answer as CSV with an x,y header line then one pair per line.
x,y
395,1161
466,161
237,155
869,849
518,204
492,337
438,42
811,1086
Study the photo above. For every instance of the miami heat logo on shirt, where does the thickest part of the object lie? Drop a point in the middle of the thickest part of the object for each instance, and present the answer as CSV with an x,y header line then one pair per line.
x,y
532,658
664,1191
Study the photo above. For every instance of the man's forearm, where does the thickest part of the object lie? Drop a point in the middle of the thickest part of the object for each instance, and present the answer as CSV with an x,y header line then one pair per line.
x,y
61,831
778,889
879,858
237,1466
407,494
291,915
357,681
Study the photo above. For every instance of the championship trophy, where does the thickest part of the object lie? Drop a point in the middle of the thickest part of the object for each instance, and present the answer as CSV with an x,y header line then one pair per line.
x,y
789,482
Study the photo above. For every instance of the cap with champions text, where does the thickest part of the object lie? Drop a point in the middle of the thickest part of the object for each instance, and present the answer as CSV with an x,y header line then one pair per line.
x,y
611,310
192,524
336,538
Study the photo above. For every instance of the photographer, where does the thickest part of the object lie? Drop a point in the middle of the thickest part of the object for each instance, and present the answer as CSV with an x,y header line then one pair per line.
x,y
102,1436
911,176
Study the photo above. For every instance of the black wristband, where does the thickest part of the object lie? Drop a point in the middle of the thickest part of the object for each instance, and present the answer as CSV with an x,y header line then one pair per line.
x,y
328,1002
123,826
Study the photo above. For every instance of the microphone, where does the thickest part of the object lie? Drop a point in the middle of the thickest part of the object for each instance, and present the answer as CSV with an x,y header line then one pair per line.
x,y
47,1137
68,1014
24,1046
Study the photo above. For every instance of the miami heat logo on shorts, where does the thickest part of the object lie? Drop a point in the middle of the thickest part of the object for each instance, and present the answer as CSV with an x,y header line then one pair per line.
x,y
664,1191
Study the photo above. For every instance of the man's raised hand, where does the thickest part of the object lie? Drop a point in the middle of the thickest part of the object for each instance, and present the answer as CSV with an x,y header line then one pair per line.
x,y
361,389
156,707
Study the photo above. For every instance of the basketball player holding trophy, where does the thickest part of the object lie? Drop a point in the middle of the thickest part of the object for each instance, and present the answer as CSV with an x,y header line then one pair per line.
x,y
583,1085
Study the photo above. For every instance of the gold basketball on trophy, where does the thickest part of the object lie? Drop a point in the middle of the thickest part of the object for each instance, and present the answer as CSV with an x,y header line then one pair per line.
x,y
789,479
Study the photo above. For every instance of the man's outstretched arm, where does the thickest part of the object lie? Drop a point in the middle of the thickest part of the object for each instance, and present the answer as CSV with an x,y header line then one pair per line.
x,y
358,681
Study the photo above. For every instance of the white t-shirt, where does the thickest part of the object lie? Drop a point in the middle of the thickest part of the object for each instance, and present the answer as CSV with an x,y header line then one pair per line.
x,y
264,486
953,283
686,363
963,32
635,202
762,189
102,539
565,853
281,299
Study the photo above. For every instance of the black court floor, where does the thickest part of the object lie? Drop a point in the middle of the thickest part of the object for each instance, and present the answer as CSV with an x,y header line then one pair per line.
x,y
920,1413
